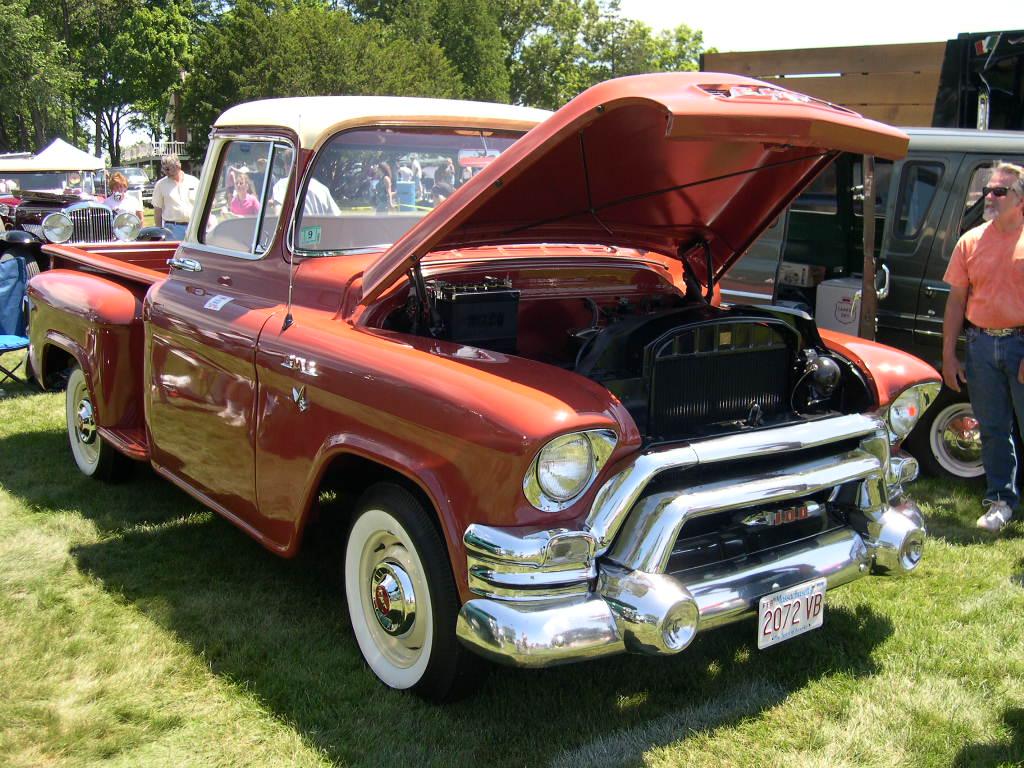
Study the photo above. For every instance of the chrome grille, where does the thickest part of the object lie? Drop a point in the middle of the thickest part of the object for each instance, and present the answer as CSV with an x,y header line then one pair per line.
x,y
718,372
92,225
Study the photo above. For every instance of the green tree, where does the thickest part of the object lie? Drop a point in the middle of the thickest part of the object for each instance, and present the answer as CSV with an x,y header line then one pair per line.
x,y
306,49
127,51
469,32
39,81
573,44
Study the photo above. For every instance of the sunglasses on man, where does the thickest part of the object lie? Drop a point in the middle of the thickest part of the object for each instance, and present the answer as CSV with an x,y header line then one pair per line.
x,y
996,191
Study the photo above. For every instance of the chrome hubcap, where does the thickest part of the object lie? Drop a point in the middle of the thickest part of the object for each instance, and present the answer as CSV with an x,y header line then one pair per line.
x,y
961,437
393,598
84,423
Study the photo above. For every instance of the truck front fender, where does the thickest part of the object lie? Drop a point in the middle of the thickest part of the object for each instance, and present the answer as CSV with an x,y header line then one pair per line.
x,y
889,370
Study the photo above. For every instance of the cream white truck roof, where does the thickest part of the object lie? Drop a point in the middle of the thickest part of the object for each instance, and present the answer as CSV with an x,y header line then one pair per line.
x,y
315,118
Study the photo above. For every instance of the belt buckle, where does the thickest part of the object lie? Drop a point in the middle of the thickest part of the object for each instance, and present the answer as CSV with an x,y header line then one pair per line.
x,y
999,332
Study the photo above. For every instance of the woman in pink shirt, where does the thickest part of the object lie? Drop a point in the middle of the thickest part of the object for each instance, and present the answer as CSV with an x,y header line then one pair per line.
x,y
243,201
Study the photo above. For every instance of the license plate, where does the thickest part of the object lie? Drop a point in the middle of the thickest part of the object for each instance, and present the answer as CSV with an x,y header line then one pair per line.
x,y
790,612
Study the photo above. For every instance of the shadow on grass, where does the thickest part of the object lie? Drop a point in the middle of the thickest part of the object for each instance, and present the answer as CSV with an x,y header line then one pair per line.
x,y
279,630
1017,577
1001,754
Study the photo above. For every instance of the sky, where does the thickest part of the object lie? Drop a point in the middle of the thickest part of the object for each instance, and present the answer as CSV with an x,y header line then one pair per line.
x,y
745,25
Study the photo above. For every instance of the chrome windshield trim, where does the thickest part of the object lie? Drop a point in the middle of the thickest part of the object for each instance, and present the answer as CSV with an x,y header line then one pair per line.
x,y
620,492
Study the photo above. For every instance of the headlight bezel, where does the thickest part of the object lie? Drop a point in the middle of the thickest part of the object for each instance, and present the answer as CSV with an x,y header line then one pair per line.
x,y
54,219
920,397
601,443
133,223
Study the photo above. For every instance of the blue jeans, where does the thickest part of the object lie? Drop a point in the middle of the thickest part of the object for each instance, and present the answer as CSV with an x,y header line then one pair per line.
x,y
996,395
177,230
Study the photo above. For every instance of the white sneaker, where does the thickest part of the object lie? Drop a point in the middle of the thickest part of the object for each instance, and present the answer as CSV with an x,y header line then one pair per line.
x,y
998,515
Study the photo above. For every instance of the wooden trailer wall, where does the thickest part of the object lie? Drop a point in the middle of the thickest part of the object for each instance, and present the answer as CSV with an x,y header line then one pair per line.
x,y
895,84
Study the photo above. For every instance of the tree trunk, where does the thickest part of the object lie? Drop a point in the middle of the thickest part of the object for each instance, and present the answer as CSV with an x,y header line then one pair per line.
x,y
38,125
23,145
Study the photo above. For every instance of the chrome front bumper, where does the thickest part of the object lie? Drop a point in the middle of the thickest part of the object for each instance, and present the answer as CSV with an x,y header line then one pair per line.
x,y
556,596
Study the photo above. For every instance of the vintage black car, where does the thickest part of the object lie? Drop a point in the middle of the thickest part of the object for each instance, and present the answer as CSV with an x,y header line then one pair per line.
x,y
54,217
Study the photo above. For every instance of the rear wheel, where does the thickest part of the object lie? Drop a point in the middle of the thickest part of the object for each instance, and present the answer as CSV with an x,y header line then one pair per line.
x,y
94,456
947,442
402,598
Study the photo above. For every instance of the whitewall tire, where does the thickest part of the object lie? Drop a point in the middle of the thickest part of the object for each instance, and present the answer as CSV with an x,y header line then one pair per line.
x,y
401,596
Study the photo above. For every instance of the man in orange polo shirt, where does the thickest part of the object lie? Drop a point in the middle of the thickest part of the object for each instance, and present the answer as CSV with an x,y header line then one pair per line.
x,y
986,278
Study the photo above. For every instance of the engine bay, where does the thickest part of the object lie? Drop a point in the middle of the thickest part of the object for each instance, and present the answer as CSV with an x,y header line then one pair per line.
x,y
682,367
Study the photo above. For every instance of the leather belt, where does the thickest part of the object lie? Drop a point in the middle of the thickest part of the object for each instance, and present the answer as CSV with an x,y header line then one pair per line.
x,y
167,221
998,332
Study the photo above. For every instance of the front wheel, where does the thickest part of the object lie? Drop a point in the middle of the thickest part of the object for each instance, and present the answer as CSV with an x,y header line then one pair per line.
x,y
402,598
947,442
94,456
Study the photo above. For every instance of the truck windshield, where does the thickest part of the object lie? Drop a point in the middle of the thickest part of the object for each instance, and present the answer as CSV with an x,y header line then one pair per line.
x,y
50,181
368,187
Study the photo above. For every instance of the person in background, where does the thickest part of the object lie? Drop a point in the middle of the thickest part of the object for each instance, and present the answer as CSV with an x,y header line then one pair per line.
x,y
440,192
120,199
243,201
383,193
445,173
417,173
174,197
986,278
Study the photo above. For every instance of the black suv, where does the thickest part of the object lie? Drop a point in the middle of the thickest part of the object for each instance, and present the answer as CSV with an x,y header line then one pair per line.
x,y
923,204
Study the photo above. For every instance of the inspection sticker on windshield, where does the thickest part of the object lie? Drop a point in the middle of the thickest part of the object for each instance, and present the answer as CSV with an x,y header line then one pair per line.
x,y
309,236
791,612
216,303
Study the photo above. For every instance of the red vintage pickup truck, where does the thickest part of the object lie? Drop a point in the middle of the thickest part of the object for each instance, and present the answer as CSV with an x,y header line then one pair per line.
x,y
495,333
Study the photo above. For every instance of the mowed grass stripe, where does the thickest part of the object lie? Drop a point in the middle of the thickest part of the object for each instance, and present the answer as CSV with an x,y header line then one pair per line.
x,y
137,628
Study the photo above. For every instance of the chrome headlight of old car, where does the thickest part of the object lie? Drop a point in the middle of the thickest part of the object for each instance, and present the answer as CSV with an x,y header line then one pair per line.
x,y
565,467
5,209
906,410
126,226
58,228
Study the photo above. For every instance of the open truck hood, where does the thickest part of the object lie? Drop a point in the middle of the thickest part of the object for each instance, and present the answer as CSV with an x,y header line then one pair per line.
x,y
658,162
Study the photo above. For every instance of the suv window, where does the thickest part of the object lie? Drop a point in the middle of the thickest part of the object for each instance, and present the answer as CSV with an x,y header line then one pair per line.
x,y
918,184
820,196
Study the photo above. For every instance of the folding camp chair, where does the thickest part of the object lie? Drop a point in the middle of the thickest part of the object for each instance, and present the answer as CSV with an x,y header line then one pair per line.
x,y
13,280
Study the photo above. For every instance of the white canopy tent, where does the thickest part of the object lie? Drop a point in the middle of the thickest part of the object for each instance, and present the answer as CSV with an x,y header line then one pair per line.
x,y
59,156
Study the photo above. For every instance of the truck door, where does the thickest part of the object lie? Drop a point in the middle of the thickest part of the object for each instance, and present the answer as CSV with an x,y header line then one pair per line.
x,y
922,184
963,212
203,324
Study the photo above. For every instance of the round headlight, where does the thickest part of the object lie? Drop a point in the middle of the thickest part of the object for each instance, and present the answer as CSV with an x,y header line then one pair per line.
x,y
565,466
126,226
5,209
904,412
57,228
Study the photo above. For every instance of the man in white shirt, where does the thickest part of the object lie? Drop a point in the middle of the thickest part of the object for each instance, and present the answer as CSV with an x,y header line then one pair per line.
x,y
318,202
174,197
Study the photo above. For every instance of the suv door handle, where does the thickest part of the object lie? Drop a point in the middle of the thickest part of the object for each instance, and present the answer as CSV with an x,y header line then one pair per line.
x,y
931,290
186,265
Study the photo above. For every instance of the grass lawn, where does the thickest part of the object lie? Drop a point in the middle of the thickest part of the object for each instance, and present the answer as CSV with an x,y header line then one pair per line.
x,y
139,629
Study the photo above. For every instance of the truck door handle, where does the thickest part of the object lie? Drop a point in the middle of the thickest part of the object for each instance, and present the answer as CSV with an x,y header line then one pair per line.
x,y
186,265
883,291
931,290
